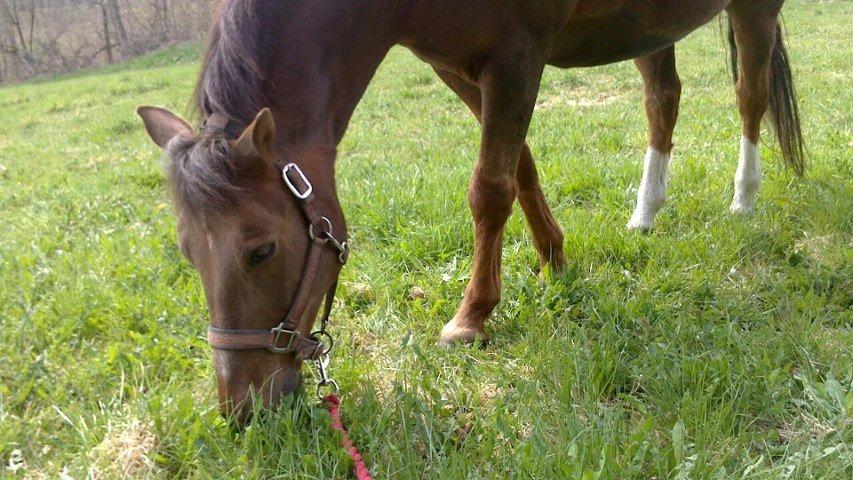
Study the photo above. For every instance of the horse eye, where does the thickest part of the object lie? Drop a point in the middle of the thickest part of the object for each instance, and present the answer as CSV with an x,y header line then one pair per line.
x,y
262,253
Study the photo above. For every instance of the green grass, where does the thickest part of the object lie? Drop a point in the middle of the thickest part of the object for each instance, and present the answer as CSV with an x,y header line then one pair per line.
x,y
717,347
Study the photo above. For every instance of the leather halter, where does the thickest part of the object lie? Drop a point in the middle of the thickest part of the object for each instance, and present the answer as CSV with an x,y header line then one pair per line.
x,y
218,123
286,337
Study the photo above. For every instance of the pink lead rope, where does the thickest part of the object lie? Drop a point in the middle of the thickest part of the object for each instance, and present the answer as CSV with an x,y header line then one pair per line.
x,y
333,403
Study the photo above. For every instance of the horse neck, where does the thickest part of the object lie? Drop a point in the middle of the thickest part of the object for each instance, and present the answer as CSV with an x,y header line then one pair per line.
x,y
326,55
328,51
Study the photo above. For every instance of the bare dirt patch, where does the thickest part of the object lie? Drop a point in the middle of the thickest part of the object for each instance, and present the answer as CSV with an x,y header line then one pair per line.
x,y
125,452
596,95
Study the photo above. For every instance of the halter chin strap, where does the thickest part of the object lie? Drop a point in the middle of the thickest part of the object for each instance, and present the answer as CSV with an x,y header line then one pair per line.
x,y
286,337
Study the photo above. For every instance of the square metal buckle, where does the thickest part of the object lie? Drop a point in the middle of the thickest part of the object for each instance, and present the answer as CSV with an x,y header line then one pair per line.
x,y
278,332
292,167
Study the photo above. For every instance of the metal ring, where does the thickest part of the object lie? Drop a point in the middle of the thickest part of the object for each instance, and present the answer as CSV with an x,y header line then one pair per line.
x,y
331,382
326,335
327,232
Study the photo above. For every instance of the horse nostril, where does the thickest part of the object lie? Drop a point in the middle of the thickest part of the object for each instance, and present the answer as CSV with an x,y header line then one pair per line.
x,y
252,381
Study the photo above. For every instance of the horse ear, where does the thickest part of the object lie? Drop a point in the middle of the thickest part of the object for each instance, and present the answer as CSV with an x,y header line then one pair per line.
x,y
259,138
163,125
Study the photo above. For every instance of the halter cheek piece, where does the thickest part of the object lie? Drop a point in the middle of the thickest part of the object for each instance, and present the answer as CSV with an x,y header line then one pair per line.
x,y
286,337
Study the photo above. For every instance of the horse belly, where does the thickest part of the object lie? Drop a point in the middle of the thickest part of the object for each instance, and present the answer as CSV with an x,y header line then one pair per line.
x,y
602,32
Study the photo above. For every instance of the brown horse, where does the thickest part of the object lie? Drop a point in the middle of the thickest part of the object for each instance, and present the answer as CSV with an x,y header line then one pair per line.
x,y
260,244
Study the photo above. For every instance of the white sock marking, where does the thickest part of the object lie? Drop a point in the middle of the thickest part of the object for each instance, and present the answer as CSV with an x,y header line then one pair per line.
x,y
747,178
652,192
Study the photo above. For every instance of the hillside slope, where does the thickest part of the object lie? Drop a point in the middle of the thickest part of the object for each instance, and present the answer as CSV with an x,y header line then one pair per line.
x,y
717,347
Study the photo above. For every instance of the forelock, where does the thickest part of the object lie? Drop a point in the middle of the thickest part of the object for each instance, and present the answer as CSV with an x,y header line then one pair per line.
x,y
202,179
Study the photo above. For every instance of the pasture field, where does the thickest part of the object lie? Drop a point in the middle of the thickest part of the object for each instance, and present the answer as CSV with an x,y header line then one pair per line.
x,y
717,347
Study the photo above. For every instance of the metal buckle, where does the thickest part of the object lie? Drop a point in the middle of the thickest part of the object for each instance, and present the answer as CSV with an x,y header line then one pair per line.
x,y
328,232
295,168
278,331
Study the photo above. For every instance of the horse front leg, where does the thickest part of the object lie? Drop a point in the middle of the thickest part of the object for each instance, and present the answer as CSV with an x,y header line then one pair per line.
x,y
509,89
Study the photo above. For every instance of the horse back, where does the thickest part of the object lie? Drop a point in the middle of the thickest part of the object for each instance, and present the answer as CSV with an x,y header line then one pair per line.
x,y
457,34
602,32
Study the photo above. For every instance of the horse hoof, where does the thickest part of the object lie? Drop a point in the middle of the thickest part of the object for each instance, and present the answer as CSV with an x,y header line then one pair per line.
x,y
739,208
551,269
453,335
640,224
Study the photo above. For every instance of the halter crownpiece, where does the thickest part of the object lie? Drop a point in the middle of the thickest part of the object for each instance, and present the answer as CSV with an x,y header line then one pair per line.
x,y
218,123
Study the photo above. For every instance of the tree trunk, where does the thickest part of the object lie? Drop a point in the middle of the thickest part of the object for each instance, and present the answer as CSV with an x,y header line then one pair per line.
x,y
107,43
15,19
8,46
2,62
32,24
118,23
164,19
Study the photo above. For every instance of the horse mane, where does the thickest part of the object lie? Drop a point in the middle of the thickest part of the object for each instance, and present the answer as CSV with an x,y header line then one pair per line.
x,y
232,77
231,83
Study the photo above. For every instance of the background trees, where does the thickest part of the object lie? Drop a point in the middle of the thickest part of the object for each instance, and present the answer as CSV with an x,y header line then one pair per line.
x,y
56,36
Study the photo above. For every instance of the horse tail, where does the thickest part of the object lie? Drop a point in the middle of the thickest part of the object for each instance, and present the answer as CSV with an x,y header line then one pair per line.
x,y
784,110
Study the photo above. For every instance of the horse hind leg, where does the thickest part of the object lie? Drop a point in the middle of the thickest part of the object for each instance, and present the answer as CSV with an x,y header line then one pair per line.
x,y
544,229
546,232
754,36
662,97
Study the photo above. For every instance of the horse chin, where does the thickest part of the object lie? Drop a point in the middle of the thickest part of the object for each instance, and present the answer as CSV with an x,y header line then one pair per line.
x,y
279,391
291,389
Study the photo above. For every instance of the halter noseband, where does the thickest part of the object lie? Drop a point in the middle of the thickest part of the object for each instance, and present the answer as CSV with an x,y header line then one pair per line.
x,y
286,337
